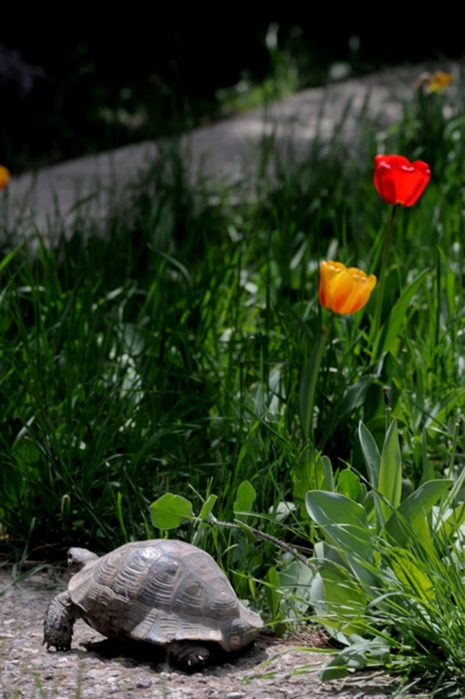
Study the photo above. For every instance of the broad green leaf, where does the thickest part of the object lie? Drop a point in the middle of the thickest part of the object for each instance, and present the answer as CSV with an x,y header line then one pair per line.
x,y
336,669
408,521
328,481
207,507
348,483
296,580
372,459
246,496
311,472
345,525
169,511
390,473
390,330
356,657
338,598
409,574
355,395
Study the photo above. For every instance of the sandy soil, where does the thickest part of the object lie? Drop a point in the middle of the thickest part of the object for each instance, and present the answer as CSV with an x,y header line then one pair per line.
x,y
96,667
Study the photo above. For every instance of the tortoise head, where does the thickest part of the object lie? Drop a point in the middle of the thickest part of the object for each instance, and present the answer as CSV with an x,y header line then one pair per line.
x,y
78,558
242,631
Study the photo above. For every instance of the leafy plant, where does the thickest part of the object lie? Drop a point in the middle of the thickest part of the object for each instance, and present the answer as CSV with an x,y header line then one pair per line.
x,y
390,567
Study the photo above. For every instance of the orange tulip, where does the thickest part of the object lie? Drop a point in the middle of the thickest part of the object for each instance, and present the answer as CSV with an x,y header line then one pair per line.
x,y
435,82
344,290
438,81
4,177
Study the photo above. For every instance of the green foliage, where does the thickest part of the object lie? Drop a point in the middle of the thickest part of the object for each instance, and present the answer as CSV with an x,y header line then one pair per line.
x,y
390,577
174,355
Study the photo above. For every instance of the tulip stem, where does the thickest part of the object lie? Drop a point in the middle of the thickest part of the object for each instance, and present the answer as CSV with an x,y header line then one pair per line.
x,y
382,279
310,379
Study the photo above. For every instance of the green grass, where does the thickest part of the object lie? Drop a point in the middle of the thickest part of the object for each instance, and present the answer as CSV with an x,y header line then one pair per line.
x,y
166,353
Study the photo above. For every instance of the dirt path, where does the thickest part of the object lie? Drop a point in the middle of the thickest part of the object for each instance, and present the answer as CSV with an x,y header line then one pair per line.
x,y
96,668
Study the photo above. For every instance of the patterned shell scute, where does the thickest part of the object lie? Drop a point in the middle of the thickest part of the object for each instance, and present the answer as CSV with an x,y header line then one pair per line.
x,y
158,591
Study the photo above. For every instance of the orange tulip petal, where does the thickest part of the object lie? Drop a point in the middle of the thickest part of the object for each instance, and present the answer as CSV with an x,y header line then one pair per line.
x,y
438,81
361,294
344,290
4,177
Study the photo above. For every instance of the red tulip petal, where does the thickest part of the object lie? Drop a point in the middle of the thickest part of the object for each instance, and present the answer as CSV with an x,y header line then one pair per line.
x,y
398,181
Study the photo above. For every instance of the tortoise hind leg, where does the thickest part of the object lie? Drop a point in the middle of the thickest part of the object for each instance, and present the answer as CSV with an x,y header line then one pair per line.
x,y
59,622
190,655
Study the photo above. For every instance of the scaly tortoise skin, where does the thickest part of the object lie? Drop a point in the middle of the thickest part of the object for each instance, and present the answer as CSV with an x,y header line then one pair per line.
x,y
162,591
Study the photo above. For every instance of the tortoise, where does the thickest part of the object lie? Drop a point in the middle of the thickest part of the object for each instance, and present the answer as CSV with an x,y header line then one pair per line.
x,y
162,591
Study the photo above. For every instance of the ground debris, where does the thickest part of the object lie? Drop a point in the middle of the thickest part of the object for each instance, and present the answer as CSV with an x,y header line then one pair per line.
x,y
97,667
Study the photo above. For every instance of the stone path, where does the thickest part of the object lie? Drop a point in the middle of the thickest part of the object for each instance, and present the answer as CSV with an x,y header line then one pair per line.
x,y
225,149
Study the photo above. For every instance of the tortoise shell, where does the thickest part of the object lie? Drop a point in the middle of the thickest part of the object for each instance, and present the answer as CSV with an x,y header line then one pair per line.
x,y
162,591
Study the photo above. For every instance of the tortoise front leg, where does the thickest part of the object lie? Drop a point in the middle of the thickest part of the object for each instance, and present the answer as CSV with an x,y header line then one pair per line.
x,y
190,655
59,622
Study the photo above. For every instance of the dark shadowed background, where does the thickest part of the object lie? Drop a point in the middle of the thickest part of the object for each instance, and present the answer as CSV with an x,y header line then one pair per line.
x,y
77,84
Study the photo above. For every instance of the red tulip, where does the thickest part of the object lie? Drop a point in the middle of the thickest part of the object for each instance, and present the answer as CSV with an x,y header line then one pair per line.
x,y
399,181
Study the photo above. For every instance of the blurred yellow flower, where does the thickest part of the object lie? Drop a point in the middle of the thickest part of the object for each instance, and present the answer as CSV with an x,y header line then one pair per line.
x,y
4,177
344,290
434,82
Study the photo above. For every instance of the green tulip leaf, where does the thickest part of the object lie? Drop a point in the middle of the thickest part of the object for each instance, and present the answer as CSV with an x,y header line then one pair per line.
x,y
390,330
407,522
407,571
345,526
390,473
371,455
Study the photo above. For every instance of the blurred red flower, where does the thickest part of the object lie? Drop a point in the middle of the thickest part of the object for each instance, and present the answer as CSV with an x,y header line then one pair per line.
x,y
398,181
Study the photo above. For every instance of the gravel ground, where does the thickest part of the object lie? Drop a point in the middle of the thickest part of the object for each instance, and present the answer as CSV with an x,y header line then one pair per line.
x,y
96,667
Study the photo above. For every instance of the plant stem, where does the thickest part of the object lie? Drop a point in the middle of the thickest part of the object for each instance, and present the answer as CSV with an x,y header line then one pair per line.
x,y
382,279
387,408
267,537
312,374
